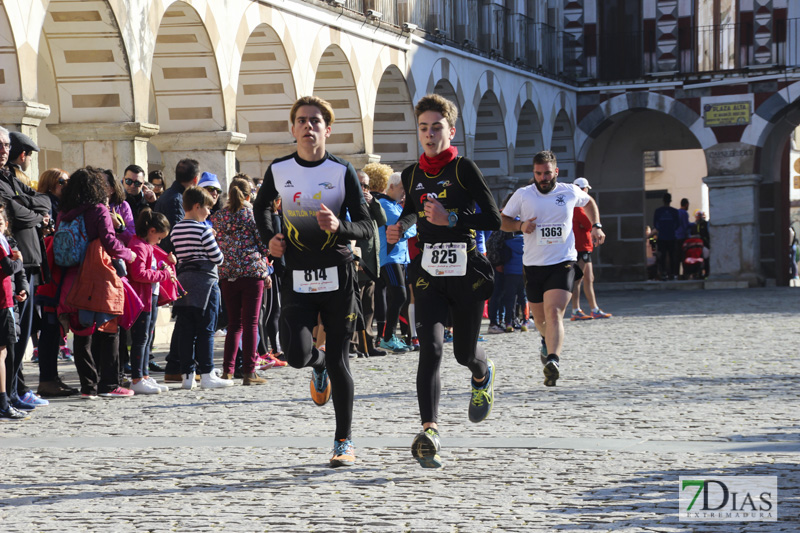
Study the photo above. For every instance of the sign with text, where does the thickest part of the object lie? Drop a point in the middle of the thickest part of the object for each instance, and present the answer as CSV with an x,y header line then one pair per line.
x,y
728,499
727,114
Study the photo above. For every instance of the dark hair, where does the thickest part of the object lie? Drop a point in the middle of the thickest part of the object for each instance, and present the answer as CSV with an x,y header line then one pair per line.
x,y
118,194
684,202
544,157
86,186
196,195
667,198
186,170
16,151
155,175
136,169
439,104
238,192
150,219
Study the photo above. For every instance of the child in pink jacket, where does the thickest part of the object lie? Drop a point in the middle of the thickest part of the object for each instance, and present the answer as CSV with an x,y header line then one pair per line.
x,y
144,275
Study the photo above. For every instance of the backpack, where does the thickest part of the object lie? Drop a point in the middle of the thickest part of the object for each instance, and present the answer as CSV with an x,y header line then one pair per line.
x,y
494,247
70,242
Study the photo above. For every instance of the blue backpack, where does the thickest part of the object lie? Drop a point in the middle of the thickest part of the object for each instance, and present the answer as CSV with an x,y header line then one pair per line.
x,y
70,242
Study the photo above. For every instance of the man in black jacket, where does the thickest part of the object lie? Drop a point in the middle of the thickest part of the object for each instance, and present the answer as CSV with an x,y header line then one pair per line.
x,y
27,211
136,194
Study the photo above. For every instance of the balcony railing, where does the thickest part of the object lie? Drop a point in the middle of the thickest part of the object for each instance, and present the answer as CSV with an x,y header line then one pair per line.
x,y
697,49
487,28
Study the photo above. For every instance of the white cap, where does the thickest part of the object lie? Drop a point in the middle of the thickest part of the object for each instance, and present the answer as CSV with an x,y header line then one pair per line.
x,y
583,183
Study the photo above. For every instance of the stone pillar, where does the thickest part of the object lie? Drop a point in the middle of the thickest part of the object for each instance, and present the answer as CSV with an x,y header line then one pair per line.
x,y
733,225
25,117
113,145
214,150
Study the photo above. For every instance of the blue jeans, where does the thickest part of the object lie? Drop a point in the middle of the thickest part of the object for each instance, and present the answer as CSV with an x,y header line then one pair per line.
x,y
513,284
194,335
141,332
495,302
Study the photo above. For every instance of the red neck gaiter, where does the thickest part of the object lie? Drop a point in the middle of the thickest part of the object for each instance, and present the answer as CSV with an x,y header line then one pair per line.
x,y
434,165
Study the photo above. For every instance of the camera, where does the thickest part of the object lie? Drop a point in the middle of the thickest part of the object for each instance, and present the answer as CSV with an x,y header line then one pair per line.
x,y
409,27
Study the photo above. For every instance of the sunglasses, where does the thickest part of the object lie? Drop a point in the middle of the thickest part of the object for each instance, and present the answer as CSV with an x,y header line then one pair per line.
x,y
135,183
365,186
213,189
62,181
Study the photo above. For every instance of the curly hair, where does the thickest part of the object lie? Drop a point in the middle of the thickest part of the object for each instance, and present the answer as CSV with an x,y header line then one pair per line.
x,y
440,104
86,186
378,176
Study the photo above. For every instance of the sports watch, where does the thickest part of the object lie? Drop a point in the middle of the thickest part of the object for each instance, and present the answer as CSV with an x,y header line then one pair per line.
x,y
452,219
598,225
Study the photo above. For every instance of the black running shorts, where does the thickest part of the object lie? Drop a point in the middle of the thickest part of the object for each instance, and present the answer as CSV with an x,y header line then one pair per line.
x,y
586,257
540,279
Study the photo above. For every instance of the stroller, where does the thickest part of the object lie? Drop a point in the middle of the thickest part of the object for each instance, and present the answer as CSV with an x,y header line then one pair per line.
x,y
693,258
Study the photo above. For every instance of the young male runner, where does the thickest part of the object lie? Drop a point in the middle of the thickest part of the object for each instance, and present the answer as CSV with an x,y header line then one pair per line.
x,y
543,212
320,280
449,274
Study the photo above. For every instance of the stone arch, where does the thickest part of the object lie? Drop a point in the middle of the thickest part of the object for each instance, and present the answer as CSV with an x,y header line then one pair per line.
x,y
264,97
529,141
444,88
488,82
266,89
185,68
336,82
614,166
10,82
601,117
491,147
772,110
562,144
84,56
394,126
529,137
443,69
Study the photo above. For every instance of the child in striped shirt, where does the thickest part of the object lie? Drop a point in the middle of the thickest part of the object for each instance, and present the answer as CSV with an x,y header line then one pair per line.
x,y
196,313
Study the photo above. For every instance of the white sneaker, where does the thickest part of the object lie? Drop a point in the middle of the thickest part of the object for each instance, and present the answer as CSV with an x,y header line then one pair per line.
x,y
143,387
221,333
212,381
188,381
153,382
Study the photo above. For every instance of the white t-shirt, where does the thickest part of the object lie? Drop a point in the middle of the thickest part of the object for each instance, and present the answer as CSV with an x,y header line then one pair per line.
x,y
553,241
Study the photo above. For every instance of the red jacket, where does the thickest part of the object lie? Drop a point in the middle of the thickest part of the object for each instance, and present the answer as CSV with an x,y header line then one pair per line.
x,y
96,287
140,274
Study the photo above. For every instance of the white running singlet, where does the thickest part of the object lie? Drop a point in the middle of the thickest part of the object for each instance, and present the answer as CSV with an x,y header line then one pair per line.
x,y
553,241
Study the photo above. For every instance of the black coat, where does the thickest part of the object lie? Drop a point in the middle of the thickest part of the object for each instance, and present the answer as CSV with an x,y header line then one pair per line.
x,y
26,208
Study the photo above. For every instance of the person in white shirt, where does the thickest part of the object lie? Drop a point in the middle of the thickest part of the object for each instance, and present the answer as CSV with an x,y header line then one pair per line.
x,y
543,212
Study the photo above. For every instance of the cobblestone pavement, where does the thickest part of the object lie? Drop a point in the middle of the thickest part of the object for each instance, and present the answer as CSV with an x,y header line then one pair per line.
x,y
678,383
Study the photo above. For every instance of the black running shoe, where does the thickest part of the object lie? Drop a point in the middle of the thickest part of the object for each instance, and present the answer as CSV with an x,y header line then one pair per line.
x,y
14,414
425,449
543,352
551,371
483,398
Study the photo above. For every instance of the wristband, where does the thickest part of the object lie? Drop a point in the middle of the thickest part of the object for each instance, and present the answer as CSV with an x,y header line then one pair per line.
x,y
598,225
521,222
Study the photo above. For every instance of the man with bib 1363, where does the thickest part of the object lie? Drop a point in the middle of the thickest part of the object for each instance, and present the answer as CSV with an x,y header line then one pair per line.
x,y
543,212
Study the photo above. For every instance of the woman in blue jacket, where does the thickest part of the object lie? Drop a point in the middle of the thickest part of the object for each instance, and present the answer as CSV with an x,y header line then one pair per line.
x,y
394,259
